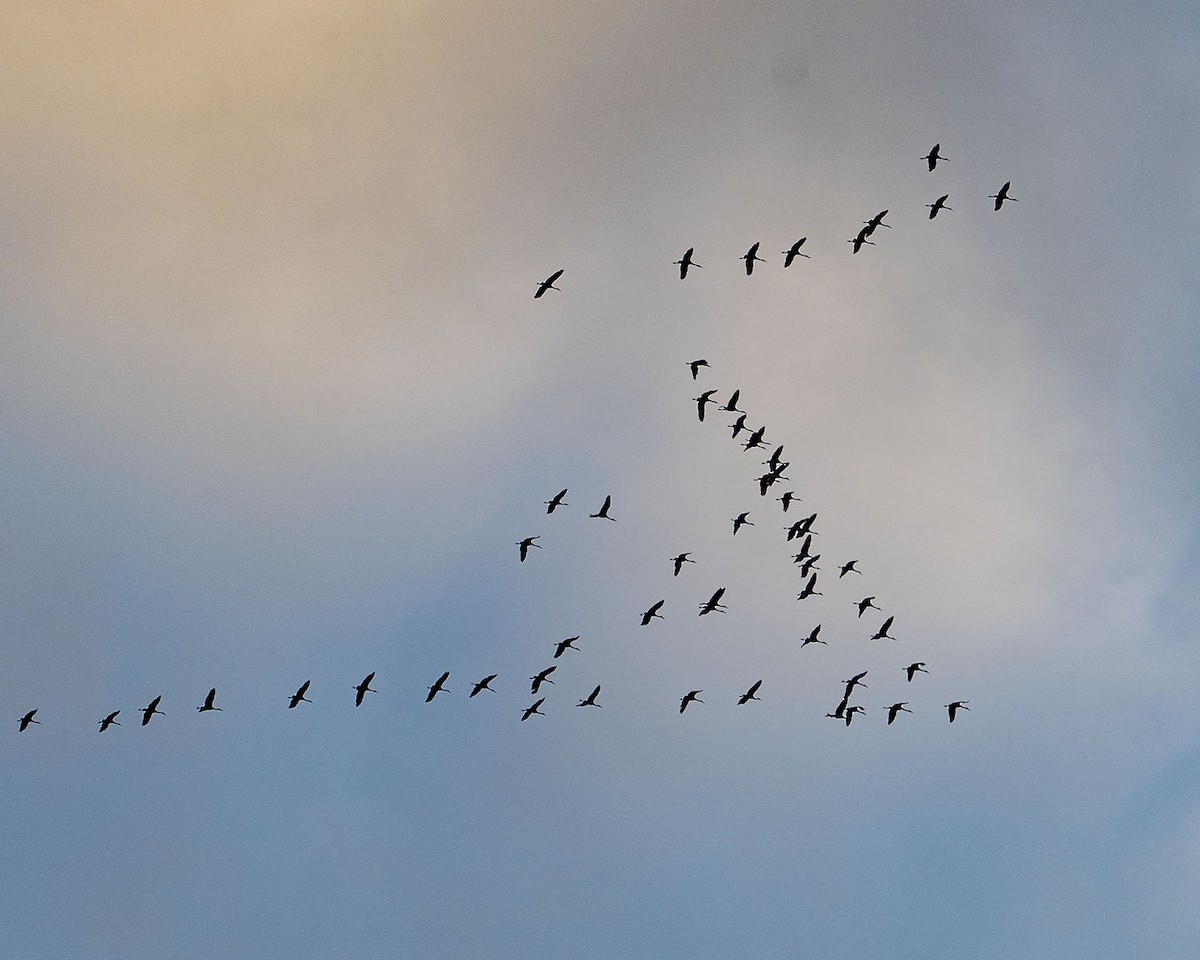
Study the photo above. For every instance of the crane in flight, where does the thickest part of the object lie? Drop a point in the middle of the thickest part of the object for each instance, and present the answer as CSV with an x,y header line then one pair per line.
x,y
957,705
150,710
810,589
896,708
749,694
876,221
692,696
484,684
938,205
548,284
933,156
809,564
713,603
738,426
1002,195
603,514
914,668
731,406
865,604
850,566
590,699
686,263
109,721
855,681
680,560
792,252
556,501
299,696
439,686
653,612
787,499
812,637
363,688
564,645
882,633
751,257
26,720
860,239
705,397
741,520
533,709
756,439
526,544
543,677
851,711
696,365
208,702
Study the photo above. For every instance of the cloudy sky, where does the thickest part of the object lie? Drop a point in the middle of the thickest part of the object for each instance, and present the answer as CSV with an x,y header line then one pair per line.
x,y
276,403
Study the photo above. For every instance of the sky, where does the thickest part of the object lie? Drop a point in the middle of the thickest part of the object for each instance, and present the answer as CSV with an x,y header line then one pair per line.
x,y
277,403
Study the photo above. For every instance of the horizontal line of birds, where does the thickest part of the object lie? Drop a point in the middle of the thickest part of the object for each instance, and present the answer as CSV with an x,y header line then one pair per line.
x,y
857,242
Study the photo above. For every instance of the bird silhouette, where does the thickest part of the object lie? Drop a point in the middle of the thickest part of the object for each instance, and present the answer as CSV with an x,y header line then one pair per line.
x,y
590,700
914,668
809,564
1002,195
299,696
812,637
957,705
749,694
556,501
484,684
110,720
564,645
896,708
705,397
840,712
652,613
851,711
526,544
364,688
696,365
731,406
532,709
774,462
933,157
751,257
680,560
938,205
713,603
876,221
810,589
686,263
738,426
208,702
882,633
805,549
603,514
741,520
792,252
865,604
543,677
151,710
548,284
855,681
26,720
849,567
439,686
787,499
755,440
693,696
860,239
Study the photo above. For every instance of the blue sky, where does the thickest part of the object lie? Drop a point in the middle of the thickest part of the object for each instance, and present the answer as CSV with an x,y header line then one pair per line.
x,y
276,403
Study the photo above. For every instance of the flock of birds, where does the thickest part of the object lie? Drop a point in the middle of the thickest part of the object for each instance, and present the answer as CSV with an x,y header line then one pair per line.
x,y
799,532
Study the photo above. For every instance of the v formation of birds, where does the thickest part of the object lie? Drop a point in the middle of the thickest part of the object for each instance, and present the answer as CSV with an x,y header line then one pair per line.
x,y
799,532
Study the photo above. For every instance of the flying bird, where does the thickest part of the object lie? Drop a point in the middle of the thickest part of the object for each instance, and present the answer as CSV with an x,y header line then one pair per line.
x,y
751,256
526,544
439,686
705,397
590,700
151,710
692,696
749,694
109,721
787,499
713,603
603,514
26,720
208,702
793,252
855,681
851,711
696,365
741,520
532,709
849,567
914,668
548,284
556,501
773,462
543,677
876,221
564,645
299,696
810,589
938,205
738,426
957,705
840,712
809,564
883,631
896,708
484,684
865,604
812,637
933,156
685,263
860,239
731,406
679,561
1002,195
653,612
756,439
364,688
